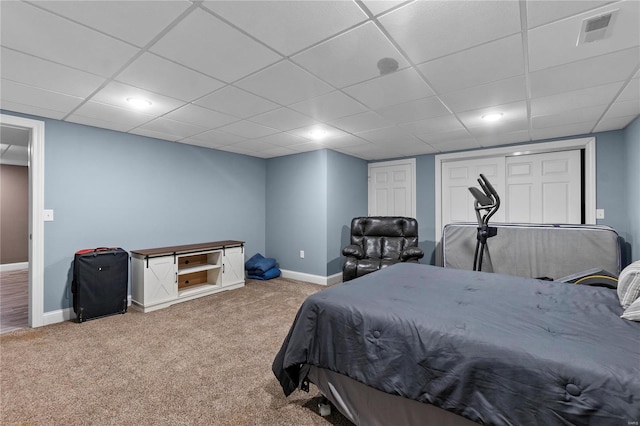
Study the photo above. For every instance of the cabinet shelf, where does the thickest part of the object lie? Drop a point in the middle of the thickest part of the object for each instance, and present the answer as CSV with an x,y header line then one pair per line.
x,y
197,268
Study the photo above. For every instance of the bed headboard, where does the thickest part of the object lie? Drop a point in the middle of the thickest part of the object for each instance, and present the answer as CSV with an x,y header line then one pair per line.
x,y
534,250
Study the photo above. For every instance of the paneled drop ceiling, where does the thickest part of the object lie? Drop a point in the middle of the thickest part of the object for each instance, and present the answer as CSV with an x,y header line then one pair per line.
x,y
272,78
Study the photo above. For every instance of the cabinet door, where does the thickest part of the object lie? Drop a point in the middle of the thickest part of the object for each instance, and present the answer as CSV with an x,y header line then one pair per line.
x,y
160,280
233,266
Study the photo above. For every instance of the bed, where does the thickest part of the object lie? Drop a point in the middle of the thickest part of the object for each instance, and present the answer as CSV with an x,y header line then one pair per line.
x,y
420,344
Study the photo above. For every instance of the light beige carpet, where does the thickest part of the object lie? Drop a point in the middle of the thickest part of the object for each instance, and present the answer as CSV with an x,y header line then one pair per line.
x,y
202,362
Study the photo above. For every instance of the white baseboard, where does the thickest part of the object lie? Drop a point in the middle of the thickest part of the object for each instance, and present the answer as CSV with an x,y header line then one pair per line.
x,y
314,279
67,314
14,266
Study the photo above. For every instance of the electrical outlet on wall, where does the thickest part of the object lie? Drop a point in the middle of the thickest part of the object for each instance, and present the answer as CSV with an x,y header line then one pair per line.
x,y
599,213
301,254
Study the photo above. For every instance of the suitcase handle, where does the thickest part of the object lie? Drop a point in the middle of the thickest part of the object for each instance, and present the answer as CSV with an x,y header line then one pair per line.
x,y
95,250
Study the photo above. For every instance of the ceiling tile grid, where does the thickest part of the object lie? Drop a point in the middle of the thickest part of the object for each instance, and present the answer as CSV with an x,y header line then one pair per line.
x,y
271,78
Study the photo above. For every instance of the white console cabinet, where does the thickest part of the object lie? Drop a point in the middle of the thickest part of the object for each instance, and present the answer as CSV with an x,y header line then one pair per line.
x,y
163,276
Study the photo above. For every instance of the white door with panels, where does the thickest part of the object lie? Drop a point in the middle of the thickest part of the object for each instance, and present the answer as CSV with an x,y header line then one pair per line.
x,y
544,188
392,188
534,188
457,201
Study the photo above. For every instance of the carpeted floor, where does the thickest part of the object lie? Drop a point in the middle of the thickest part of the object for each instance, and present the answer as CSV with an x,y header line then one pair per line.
x,y
202,362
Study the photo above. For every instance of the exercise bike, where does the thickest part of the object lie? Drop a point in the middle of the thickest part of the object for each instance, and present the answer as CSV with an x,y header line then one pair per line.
x,y
488,202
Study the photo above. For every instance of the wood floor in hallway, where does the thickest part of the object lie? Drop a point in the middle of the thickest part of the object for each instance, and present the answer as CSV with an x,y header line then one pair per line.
x,y
14,300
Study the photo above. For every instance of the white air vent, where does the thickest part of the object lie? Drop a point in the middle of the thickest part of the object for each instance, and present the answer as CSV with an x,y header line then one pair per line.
x,y
597,28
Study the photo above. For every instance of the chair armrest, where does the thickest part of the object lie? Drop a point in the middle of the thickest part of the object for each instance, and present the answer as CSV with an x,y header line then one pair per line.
x,y
411,253
353,250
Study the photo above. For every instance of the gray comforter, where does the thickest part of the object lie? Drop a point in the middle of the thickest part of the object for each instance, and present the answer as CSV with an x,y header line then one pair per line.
x,y
493,348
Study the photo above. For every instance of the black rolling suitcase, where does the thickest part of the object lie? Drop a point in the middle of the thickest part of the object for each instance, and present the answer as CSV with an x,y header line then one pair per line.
x,y
99,283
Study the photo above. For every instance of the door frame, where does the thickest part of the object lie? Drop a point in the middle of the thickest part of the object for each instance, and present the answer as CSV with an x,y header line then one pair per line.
x,y
588,144
36,213
412,165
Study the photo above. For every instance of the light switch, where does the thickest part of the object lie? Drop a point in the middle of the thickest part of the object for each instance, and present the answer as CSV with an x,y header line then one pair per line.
x,y
599,213
48,215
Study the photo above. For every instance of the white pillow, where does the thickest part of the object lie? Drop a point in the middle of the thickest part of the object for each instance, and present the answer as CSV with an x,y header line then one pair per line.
x,y
632,312
629,284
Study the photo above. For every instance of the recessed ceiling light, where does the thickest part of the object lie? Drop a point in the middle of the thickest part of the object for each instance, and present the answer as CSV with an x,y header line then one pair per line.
x,y
140,103
317,134
494,116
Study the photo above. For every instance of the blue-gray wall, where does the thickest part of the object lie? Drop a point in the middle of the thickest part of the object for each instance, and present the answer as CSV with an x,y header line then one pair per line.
x,y
632,136
296,211
110,189
347,197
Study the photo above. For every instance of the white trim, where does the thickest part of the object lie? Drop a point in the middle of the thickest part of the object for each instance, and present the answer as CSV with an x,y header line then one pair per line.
x,y
314,279
14,266
588,144
36,207
412,166
67,314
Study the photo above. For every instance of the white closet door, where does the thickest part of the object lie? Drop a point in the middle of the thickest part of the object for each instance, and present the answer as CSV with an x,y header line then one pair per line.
x,y
392,188
457,176
544,188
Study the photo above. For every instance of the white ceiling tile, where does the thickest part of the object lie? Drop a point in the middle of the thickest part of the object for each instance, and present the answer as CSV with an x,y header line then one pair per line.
x,y
215,138
247,129
391,89
472,67
237,150
127,20
351,57
571,116
209,39
283,119
563,35
116,94
561,131
631,91
113,114
616,123
47,75
504,127
433,125
430,29
592,96
516,112
254,145
29,95
73,45
172,127
277,152
159,75
31,109
361,122
438,138
96,122
343,141
624,108
306,147
237,102
200,116
456,145
378,6
289,26
14,154
283,139
414,110
496,93
617,66
503,138
284,83
329,107
388,135
543,12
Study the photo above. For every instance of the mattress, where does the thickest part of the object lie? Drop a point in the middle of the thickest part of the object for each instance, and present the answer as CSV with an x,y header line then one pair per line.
x,y
534,250
493,348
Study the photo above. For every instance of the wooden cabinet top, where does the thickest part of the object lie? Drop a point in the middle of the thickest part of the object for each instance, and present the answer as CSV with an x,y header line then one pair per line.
x,y
188,248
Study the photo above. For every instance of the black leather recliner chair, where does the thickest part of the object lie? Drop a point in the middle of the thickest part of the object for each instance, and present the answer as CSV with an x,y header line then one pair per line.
x,y
379,241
